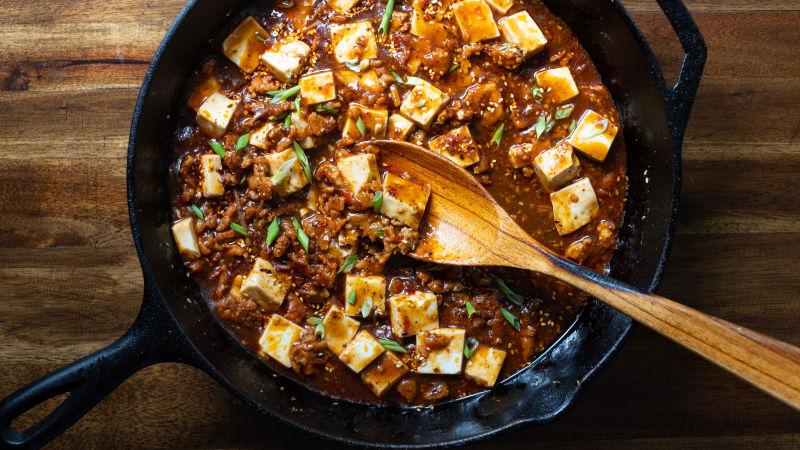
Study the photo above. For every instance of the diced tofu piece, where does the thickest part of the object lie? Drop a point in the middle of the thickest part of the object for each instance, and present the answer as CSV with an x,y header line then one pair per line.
x,y
520,30
384,373
412,313
260,137
285,60
343,6
556,166
521,155
423,103
484,365
374,120
457,146
265,286
574,206
428,29
358,170
211,182
366,79
186,238
317,87
475,20
203,90
361,351
297,177
365,287
399,127
300,124
278,338
593,135
235,291
339,329
404,200
215,114
501,6
243,47
441,361
557,83
352,42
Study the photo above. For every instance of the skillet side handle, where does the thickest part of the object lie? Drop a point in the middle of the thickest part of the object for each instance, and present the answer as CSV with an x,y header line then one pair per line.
x,y
680,97
152,338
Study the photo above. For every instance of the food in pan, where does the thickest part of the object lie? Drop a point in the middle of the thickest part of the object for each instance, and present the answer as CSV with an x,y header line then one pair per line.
x,y
298,234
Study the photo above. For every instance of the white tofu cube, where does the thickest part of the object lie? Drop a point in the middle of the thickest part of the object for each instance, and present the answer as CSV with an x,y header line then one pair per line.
x,y
521,155
352,42
441,361
412,313
343,6
366,80
558,84
430,30
358,170
211,181
317,87
423,103
501,6
265,286
203,90
457,146
574,206
300,124
361,351
484,365
186,238
374,120
593,135
475,20
286,59
243,47
404,200
215,114
399,127
260,137
297,177
278,338
339,329
556,166
365,287
520,30
384,373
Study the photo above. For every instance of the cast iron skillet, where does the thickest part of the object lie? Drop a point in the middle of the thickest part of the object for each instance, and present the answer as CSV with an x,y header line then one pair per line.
x,y
176,325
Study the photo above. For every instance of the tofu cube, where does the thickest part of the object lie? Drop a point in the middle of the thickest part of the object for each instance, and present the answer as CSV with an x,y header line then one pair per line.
x,y
339,329
457,146
297,177
404,200
374,120
203,90
558,84
317,87
265,286
211,182
412,313
278,338
500,6
441,361
215,114
366,80
574,206
235,291
343,6
556,166
399,127
365,287
593,135
361,351
427,28
520,30
260,137
243,47
286,59
358,170
186,238
475,20
423,103
299,123
521,155
484,365
384,373
352,42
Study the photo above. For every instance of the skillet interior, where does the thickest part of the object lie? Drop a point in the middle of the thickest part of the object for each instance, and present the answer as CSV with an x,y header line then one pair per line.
x,y
628,69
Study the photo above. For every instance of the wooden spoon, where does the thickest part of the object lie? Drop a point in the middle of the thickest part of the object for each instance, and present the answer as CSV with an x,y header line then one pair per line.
x,y
464,226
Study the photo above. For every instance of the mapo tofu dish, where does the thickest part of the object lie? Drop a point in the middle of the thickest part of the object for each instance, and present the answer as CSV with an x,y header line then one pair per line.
x,y
299,235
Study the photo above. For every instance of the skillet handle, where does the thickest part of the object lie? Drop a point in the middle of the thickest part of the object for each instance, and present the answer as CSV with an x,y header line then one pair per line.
x,y
152,338
681,96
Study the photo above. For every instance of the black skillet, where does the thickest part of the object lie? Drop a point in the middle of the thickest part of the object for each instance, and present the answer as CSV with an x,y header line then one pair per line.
x,y
175,323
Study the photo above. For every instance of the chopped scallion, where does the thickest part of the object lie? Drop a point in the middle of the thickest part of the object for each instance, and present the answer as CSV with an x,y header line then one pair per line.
x,y
261,38
564,111
198,212
397,78
217,147
595,130
393,346
284,171
326,108
302,237
354,65
287,122
572,126
351,297
348,263
361,127
239,229
242,142
538,94
510,318
543,124
273,230
498,134
511,295
319,327
470,346
453,67
283,94
379,234
387,17
303,158
377,202
470,308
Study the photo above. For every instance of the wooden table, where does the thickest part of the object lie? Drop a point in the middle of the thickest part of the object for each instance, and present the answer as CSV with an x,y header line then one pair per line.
x,y
70,280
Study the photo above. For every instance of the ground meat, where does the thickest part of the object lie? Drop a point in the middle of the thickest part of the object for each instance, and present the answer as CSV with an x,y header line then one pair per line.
x,y
308,355
408,389
482,102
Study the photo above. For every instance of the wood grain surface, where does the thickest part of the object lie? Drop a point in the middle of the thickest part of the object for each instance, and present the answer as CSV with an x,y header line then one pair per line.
x,y
70,281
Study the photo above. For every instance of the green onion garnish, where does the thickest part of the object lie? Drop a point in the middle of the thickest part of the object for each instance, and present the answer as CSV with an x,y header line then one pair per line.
x,y
377,201
398,78
283,94
538,94
217,147
326,108
273,230
261,38
510,318
470,308
366,307
504,46
354,65
242,142
319,327
470,346
361,127
284,171
572,126
301,156
595,130
348,263
287,122
243,179
543,124
302,237
297,104
198,212
239,229
511,295
351,297
564,111
453,67
387,18
498,134
379,234
391,345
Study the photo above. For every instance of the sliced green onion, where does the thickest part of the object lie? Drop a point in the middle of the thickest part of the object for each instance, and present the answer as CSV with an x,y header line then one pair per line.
x,y
393,346
387,18
217,147
243,179
572,126
303,158
239,229
470,308
504,46
242,142
414,81
297,104
284,171
511,295
564,111
397,78
283,94
302,237
453,67
348,263
273,230
498,134
470,346
319,327
595,130
287,122
543,124
361,127
379,234
261,38
354,65
351,297
326,108
377,202
198,212
510,318
366,307
538,94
